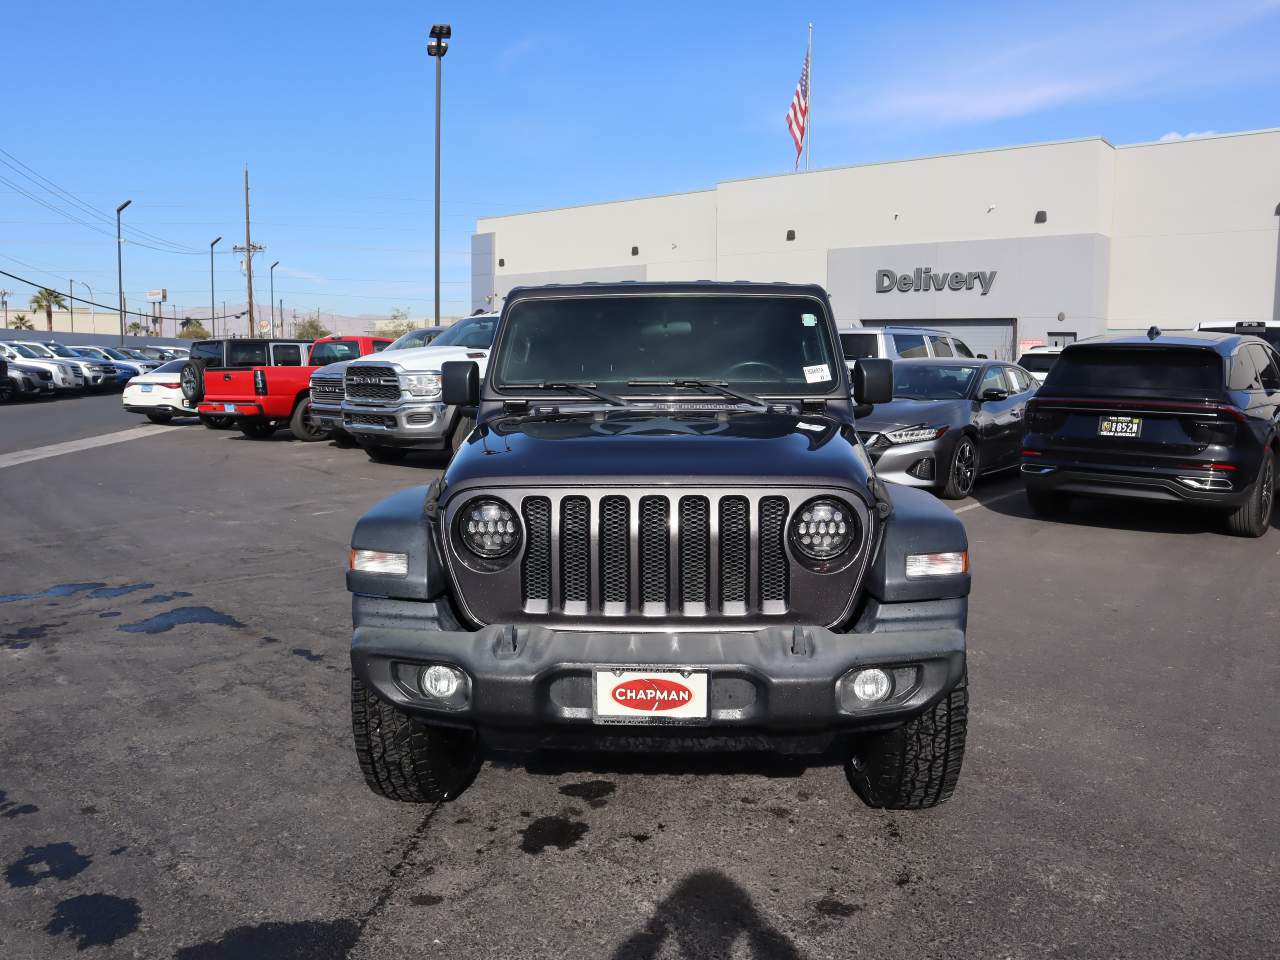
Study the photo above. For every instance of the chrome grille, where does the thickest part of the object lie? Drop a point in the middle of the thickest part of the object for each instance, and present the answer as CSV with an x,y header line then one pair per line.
x,y
379,384
326,390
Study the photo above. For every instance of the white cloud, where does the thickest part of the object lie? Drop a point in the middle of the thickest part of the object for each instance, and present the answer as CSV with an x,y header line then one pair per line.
x,y
1174,135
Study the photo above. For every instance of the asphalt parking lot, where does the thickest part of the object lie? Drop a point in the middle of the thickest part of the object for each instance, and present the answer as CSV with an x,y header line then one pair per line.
x,y
177,778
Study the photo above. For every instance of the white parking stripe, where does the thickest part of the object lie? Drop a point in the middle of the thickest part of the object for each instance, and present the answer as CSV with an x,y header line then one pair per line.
x,y
75,446
983,503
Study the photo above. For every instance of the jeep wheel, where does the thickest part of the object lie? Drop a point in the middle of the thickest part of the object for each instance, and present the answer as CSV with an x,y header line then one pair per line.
x,y
1048,503
386,454
257,429
405,760
461,430
916,765
303,426
160,417
216,422
962,472
191,380
1253,517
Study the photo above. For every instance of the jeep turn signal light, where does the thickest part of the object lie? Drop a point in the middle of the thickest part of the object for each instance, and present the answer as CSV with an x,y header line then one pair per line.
x,y
376,561
937,564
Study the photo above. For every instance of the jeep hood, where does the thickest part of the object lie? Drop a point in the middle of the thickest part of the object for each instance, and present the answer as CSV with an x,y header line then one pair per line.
x,y
665,446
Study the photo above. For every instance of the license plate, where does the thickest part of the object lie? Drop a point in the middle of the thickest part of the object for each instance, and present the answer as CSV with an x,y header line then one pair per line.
x,y
228,408
649,696
146,388
1120,427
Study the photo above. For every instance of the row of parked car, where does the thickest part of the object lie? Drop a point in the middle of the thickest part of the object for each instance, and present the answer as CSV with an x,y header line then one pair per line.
x,y
33,369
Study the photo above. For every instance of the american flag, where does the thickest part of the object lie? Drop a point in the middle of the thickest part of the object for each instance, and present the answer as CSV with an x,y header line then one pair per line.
x,y
798,115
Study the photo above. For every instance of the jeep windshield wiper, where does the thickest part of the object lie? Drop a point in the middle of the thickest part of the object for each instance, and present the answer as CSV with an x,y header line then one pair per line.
x,y
708,386
586,389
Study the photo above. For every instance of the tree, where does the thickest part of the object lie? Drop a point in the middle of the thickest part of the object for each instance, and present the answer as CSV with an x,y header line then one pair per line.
x,y
20,322
134,328
192,330
398,324
46,299
310,329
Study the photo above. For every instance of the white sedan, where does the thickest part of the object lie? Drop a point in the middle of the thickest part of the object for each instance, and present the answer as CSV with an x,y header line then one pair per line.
x,y
158,394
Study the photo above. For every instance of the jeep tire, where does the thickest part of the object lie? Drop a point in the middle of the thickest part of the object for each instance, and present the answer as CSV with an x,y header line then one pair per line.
x,y
914,766
405,760
1253,517
191,380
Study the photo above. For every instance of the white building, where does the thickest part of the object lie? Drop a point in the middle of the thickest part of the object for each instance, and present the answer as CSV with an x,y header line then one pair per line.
x,y
1006,247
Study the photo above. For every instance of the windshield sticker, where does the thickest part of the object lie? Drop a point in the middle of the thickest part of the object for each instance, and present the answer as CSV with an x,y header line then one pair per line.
x,y
809,320
817,373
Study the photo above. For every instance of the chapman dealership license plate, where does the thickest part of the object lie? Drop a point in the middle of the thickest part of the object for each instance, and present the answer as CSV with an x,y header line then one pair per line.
x,y
1120,427
649,696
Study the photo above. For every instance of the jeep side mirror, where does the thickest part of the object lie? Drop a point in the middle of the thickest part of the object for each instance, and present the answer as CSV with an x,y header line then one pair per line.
x,y
995,393
872,381
460,386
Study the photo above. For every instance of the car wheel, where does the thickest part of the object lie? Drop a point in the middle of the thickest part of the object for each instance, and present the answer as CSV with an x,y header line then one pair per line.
x,y
6,390
962,472
160,417
386,454
257,429
191,380
405,760
461,430
1253,518
302,426
916,765
1048,503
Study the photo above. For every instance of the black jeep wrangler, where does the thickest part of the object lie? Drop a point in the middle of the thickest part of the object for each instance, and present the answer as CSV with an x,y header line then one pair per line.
x,y
662,534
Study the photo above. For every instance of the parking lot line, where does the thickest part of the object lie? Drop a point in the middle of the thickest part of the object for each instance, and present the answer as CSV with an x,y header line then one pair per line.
x,y
19,457
983,503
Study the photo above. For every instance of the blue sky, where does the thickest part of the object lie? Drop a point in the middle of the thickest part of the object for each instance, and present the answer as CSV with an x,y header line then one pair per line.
x,y
545,105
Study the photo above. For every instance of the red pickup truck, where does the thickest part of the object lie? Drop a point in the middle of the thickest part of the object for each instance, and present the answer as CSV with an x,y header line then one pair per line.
x,y
263,385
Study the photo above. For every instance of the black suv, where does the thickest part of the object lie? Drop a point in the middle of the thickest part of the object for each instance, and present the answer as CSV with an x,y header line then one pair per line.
x,y
662,534
1187,418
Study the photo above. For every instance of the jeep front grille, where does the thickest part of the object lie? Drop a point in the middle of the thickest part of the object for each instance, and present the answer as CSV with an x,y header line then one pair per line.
x,y
595,556
379,384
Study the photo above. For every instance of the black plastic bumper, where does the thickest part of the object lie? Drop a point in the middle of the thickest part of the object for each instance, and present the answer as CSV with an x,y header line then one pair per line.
x,y
534,684
1160,486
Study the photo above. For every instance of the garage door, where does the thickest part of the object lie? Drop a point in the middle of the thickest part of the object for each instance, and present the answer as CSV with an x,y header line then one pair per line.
x,y
997,338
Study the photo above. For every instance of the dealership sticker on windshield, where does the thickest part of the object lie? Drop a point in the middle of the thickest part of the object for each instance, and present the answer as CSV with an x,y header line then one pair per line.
x,y
817,373
808,319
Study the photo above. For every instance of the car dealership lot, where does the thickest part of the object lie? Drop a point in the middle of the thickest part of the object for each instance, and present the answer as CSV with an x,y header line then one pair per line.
x,y
178,777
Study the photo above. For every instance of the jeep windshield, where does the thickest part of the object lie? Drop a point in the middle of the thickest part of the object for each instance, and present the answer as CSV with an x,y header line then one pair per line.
x,y
637,345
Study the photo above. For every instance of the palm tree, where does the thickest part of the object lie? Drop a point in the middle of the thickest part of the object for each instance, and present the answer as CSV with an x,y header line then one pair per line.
x,y
135,328
20,322
46,299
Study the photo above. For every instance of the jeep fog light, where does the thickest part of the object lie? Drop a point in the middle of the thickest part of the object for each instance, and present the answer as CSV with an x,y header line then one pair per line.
x,y
872,686
439,681
937,564
376,561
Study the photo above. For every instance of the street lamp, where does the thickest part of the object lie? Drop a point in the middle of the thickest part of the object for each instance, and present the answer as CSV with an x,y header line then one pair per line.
x,y
120,266
213,326
437,47
4,302
272,274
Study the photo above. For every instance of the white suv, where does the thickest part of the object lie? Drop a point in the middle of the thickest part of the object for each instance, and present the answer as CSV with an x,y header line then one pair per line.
x,y
903,343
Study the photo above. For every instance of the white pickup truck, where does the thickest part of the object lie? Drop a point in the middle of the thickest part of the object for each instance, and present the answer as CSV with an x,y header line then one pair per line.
x,y
392,400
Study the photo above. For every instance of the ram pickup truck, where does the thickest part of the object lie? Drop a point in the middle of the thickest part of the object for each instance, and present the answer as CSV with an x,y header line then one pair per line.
x,y
662,534
391,403
263,385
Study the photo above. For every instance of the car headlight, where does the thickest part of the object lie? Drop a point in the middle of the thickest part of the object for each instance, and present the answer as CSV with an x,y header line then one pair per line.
x,y
426,385
916,434
824,529
488,528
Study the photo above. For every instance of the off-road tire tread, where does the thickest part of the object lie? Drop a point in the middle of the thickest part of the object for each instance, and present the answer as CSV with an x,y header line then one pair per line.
x,y
917,765
404,760
1247,520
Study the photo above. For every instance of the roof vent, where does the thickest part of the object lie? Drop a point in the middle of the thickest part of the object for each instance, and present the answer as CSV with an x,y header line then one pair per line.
x,y
635,251
1153,333
1042,217
791,234
502,262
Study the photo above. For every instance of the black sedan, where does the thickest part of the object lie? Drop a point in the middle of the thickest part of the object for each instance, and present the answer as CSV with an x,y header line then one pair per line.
x,y
950,422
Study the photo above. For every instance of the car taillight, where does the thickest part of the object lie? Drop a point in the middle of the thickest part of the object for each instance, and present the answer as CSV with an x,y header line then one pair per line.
x,y
260,382
1211,431
1040,420
172,386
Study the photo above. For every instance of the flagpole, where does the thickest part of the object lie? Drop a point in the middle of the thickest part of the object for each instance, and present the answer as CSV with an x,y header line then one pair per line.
x,y
808,127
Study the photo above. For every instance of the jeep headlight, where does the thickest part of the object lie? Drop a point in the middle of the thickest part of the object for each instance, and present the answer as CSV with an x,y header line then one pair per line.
x,y
916,434
823,529
488,528
425,385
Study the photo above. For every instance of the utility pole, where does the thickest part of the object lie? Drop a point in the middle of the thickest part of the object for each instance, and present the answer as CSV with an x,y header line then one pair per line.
x,y
4,301
281,334
272,272
249,249
120,266
437,47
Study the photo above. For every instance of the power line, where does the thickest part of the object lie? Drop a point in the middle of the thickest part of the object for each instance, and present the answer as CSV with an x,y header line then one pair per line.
x,y
111,308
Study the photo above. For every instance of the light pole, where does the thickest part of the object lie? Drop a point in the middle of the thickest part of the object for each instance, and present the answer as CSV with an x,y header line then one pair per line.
x,y
213,325
437,47
272,274
120,266
4,301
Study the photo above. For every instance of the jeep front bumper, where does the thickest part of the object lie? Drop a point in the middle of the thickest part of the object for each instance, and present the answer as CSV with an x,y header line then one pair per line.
x,y
532,686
